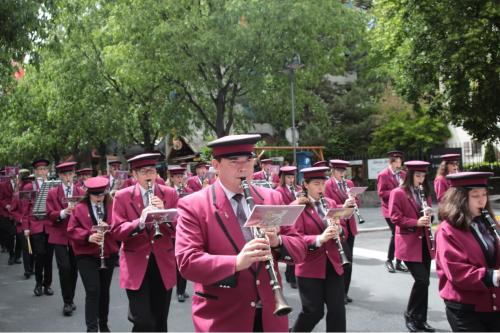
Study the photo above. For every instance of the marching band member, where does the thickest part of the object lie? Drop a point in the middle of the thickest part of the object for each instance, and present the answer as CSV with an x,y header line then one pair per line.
x,y
7,224
337,189
288,189
147,265
213,249
115,183
198,181
413,240
468,255
387,180
17,215
94,248
265,173
59,212
82,175
320,276
176,181
449,165
38,231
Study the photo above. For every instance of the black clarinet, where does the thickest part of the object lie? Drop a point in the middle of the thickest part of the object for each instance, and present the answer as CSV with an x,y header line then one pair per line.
x,y
361,220
281,307
343,257
425,207
491,222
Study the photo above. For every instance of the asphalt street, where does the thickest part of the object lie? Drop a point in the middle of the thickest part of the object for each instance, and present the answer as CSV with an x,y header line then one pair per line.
x,y
380,298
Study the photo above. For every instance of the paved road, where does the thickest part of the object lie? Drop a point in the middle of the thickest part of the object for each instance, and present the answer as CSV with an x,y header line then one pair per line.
x,y
380,298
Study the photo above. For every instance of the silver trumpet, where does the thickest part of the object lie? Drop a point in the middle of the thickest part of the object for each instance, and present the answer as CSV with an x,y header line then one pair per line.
x,y
425,212
156,225
361,220
281,307
340,248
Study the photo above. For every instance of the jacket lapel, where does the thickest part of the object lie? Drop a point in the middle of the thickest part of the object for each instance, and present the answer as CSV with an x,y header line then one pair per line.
x,y
137,202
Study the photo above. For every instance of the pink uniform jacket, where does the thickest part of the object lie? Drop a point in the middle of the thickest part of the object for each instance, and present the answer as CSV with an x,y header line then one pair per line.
x,y
80,228
59,228
208,239
194,183
441,185
16,212
6,196
461,267
386,182
310,225
333,192
404,214
137,245
29,222
260,175
286,194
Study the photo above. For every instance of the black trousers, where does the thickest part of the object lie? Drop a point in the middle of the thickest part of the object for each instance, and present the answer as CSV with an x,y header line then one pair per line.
x,y
421,271
43,253
27,257
18,248
314,293
390,251
8,234
181,282
290,273
96,283
68,272
348,249
462,320
149,305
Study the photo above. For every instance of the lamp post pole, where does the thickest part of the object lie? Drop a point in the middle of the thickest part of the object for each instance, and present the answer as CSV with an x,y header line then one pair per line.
x,y
291,68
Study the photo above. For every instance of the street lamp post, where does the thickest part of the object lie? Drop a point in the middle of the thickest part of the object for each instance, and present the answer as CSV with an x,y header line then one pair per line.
x,y
291,68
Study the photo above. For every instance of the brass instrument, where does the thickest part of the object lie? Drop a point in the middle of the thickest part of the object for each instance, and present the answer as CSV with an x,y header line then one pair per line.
x,y
361,220
491,222
340,248
425,212
40,205
156,225
281,307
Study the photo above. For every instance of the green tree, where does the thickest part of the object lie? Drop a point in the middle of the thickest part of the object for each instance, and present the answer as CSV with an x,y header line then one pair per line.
x,y
446,54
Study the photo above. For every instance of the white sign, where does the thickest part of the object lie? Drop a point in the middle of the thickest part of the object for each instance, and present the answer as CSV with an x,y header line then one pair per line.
x,y
356,162
289,137
375,166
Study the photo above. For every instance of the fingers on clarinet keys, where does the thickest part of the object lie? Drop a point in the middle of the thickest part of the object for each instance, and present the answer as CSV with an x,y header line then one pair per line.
x,y
255,250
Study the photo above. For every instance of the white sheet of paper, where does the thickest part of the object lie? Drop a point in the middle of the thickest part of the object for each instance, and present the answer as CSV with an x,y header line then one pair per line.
x,y
274,215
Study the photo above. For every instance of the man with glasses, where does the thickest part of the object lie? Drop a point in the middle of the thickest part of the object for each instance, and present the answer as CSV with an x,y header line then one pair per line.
x,y
59,210
147,264
215,251
200,180
38,231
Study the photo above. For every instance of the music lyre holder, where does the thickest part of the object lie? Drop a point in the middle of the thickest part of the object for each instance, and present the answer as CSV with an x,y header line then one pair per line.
x,y
159,216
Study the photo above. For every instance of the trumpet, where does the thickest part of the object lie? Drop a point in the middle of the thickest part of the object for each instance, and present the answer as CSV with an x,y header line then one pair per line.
x,y
281,307
425,210
158,234
331,223
361,220
491,222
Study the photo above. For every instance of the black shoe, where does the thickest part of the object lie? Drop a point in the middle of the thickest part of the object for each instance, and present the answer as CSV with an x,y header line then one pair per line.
x,y
18,261
67,310
104,328
424,326
293,285
27,275
73,306
390,266
181,298
412,326
347,299
11,261
38,290
400,266
48,291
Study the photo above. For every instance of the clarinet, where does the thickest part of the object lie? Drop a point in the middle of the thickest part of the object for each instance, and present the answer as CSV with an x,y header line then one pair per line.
x,y
281,307
361,220
340,248
156,225
103,229
491,222
425,208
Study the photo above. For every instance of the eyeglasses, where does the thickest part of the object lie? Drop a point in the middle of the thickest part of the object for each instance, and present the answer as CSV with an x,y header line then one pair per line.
x,y
42,168
144,172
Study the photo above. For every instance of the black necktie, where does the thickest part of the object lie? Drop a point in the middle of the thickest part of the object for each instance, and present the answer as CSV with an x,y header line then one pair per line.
x,y
100,215
68,191
113,184
242,217
488,238
319,209
292,190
